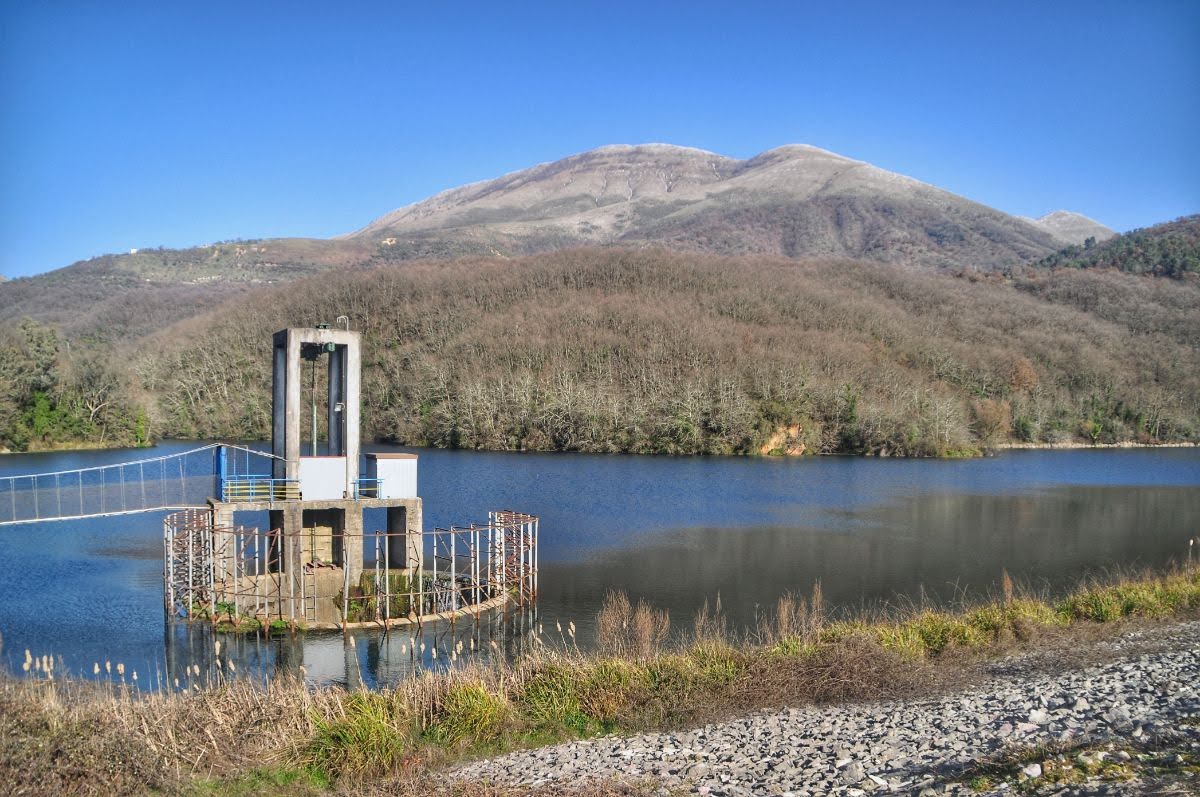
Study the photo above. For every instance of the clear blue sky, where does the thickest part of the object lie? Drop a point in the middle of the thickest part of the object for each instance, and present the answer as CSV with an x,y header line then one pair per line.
x,y
168,123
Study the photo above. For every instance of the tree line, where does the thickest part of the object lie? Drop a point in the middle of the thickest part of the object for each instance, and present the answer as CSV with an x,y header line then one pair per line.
x,y
647,351
1164,250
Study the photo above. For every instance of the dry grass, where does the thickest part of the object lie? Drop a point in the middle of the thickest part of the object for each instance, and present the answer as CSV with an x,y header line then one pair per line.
x,y
73,737
637,632
76,737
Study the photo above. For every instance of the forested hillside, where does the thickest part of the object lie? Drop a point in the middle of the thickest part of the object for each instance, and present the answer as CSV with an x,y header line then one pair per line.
x,y
1164,250
52,394
115,297
651,351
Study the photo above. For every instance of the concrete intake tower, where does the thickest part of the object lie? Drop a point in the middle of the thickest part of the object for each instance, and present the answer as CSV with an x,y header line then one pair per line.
x,y
344,544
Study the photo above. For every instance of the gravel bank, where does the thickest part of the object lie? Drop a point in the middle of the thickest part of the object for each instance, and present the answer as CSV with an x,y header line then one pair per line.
x,y
1149,691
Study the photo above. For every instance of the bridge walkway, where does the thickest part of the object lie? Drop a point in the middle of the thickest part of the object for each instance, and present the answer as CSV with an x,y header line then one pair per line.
x,y
183,480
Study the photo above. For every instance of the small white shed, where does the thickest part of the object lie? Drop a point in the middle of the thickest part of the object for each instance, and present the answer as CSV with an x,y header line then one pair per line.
x,y
396,474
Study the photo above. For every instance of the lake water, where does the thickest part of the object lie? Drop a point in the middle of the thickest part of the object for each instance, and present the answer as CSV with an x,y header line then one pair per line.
x,y
674,531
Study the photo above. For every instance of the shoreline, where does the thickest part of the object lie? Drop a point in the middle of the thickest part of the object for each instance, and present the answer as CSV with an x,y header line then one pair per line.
x,y
1066,445
1076,445
1026,668
78,445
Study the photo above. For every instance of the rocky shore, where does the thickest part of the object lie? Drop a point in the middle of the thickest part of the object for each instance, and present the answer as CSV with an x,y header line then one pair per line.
x,y
1030,724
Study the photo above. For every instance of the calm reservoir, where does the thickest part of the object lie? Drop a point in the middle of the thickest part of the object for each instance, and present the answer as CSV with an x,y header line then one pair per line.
x,y
675,531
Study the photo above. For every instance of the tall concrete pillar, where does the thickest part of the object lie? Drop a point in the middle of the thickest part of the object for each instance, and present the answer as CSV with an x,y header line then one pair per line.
x,y
404,537
352,547
337,398
351,370
291,410
278,405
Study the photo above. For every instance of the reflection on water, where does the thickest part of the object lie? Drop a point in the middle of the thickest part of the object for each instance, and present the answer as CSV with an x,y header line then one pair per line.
x,y
945,546
364,657
672,530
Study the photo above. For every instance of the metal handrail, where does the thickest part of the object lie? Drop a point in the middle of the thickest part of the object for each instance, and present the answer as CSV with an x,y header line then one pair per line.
x,y
143,461
254,488
367,488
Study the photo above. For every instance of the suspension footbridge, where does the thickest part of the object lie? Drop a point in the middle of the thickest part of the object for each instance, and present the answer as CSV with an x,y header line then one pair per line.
x,y
183,480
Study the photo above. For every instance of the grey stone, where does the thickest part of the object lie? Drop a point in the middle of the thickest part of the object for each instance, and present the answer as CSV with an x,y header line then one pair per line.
x,y
896,746
852,773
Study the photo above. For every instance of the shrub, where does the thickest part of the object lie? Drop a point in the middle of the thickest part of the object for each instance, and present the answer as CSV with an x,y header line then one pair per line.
x,y
468,713
371,733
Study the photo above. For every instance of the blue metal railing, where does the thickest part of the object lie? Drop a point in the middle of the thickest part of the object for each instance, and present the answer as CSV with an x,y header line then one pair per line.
x,y
172,481
367,488
259,488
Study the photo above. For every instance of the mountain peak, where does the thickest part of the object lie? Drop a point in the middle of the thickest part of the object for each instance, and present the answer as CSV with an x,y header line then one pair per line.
x,y
1073,228
651,147
796,200
804,149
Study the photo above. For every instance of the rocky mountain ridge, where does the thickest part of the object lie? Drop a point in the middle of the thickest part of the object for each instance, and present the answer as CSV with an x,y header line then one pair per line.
x,y
796,200
1073,228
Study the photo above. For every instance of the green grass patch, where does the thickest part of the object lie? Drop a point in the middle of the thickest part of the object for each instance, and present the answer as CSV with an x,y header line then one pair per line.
x,y
372,733
263,781
550,702
469,715
1132,598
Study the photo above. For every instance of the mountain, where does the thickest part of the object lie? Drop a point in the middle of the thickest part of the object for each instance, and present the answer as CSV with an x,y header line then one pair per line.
x,y
1164,250
1073,228
115,296
797,201
642,299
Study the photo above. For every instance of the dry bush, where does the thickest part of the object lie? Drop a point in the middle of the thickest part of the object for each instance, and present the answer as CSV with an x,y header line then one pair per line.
x,y
856,668
648,630
795,619
76,737
623,629
612,622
